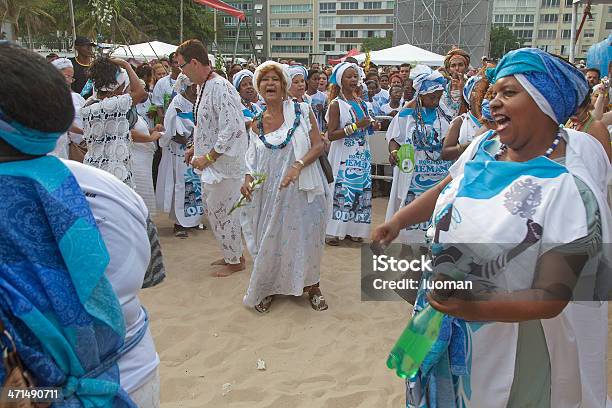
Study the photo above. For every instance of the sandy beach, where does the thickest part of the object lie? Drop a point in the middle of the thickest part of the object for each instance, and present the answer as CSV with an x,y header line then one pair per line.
x,y
207,339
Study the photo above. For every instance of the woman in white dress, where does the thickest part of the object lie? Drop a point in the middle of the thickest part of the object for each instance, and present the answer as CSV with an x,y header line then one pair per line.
x,y
465,127
535,337
348,129
142,159
178,186
75,133
284,225
109,116
420,127
297,89
243,82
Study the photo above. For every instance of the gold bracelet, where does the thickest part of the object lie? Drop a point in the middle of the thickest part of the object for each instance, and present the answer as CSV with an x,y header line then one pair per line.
x,y
393,152
209,158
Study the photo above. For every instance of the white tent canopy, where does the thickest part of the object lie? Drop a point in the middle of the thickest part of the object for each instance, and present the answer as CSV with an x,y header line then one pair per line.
x,y
148,51
401,54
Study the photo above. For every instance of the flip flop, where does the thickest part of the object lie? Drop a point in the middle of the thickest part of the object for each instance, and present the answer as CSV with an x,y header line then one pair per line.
x,y
264,305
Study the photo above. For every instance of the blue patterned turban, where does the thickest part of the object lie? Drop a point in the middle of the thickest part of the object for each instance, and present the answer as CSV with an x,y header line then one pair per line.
x,y
555,85
426,83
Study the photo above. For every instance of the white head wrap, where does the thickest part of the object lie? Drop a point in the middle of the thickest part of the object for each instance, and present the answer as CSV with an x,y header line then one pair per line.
x,y
284,75
418,70
62,63
340,69
296,70
239,76
182,82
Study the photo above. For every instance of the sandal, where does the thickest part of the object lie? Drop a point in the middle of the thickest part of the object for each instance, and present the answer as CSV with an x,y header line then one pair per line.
x,y
317,301
333,241
180,231
264,305
355,239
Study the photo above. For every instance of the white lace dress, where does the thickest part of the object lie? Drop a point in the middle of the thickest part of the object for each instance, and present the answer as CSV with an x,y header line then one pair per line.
x,y
107,134
284,233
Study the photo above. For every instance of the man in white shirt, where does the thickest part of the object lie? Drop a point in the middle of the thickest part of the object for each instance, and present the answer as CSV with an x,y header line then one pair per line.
x,y
220,143
163,92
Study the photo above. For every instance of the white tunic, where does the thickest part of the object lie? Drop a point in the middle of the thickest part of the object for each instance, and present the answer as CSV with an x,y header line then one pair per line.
x,y
107,134
220,125
121,217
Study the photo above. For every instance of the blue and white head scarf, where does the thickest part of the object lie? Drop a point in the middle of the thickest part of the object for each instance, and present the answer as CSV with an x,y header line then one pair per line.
x,y
555,85
239,76
340,69
295,70
486,110
427,83
469,87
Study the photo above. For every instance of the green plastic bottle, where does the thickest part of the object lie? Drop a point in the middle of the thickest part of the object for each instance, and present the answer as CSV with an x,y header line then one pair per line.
x,y
415,342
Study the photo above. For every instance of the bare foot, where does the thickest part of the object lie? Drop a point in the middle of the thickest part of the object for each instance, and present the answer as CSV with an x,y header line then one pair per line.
x,y
229,269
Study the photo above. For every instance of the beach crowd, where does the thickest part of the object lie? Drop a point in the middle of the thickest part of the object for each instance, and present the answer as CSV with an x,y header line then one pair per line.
x,y
275,159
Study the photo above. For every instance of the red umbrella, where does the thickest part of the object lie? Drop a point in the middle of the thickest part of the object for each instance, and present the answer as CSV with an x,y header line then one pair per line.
x,y
221,6
351,53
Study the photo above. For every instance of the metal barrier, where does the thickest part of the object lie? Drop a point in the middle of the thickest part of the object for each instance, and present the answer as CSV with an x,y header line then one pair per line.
x,y
380,157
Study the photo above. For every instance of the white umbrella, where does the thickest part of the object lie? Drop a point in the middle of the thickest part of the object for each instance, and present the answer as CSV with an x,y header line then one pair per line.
x,y
405,53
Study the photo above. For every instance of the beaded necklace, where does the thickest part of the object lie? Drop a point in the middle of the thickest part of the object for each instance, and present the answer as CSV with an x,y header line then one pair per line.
x,y
197,105
422,137
549,151
296,123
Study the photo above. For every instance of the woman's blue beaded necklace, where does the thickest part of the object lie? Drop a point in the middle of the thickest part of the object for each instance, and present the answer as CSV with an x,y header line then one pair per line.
x,y
549,151
296,123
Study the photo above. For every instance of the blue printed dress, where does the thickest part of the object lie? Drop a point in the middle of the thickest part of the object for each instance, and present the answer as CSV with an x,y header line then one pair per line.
x,y
352,188
429,169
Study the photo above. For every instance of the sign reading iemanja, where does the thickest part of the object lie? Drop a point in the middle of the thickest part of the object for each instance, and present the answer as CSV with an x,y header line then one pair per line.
x,y
468,271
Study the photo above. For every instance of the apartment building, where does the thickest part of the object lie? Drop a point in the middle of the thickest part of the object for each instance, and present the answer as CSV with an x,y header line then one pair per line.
x,y
546,24
299,28
291,24
255,36
343,25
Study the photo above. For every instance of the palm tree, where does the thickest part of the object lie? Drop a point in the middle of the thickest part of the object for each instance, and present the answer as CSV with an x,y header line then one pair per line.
x,y
111,22
29,12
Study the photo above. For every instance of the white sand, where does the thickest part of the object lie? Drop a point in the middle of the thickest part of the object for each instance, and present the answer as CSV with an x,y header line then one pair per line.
x,y
206,337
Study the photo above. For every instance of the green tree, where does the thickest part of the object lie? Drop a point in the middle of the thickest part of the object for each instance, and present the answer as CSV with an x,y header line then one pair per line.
x,y
28,14
376,43
502,41
130,21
